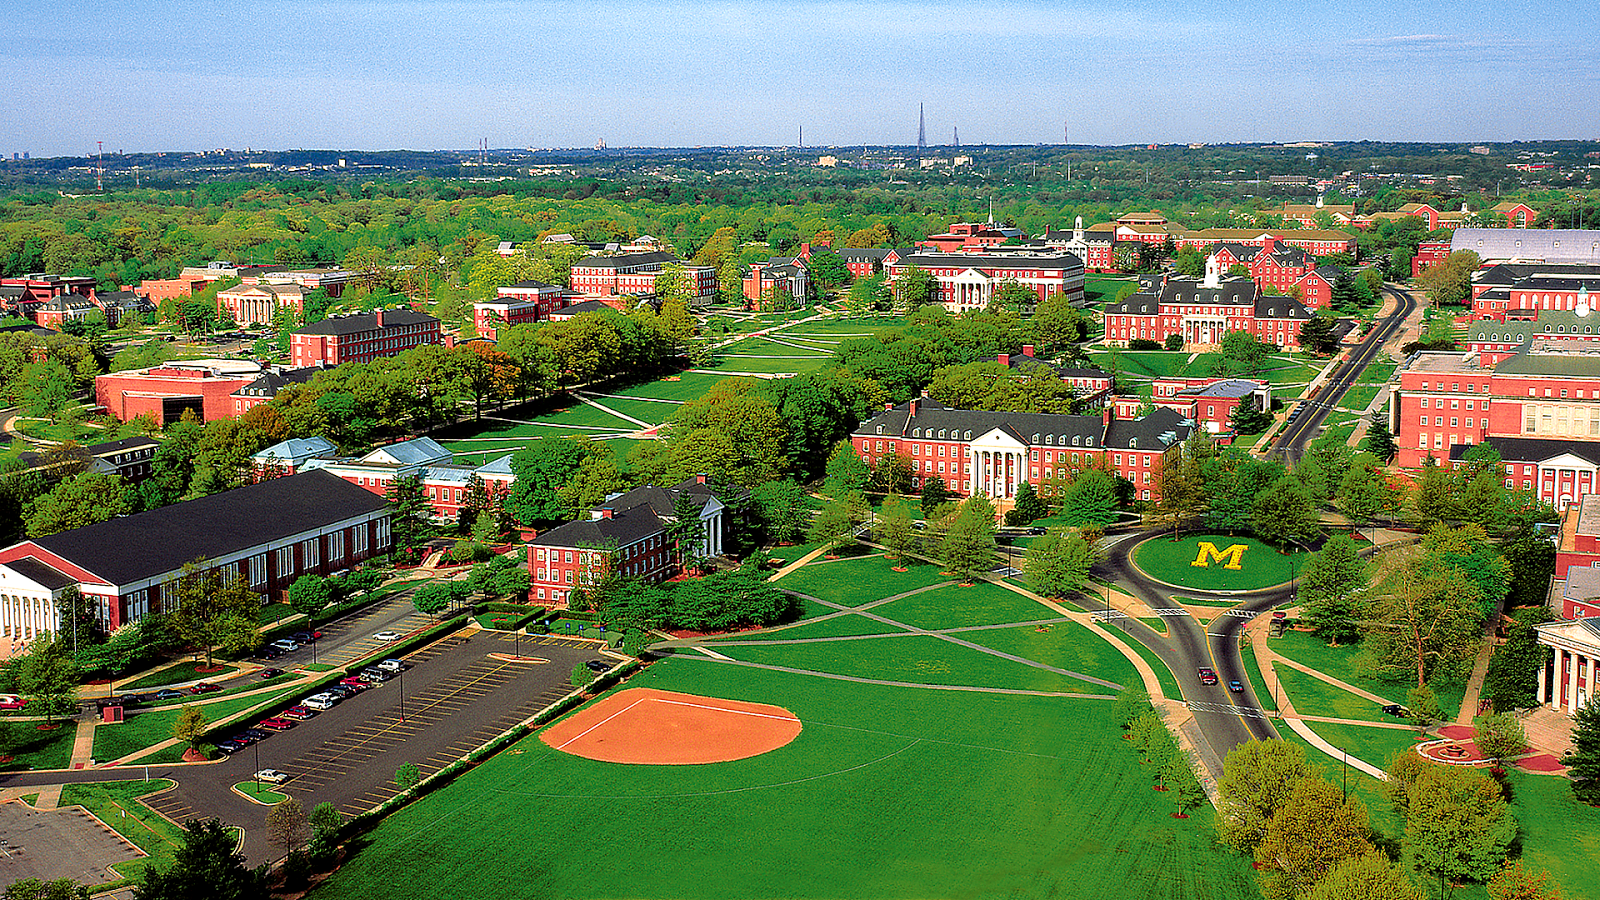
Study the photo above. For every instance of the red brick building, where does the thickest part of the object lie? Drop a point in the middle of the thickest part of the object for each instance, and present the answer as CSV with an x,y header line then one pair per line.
x,y
1518,215
204,386
1429,253
172,289
969,236
522,303
362,337
22,295
635,274
964,281
1202,311
256,304
1273,262
1210,402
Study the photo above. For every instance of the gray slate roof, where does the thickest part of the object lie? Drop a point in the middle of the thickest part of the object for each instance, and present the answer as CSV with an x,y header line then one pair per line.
x,y
392,318
1549,245
965,424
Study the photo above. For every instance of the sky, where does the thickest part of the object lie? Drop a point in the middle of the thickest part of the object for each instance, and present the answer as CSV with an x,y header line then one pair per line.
x,y
162,75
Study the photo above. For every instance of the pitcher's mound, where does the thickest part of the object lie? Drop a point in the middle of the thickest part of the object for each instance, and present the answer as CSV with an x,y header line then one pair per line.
x,y
664,728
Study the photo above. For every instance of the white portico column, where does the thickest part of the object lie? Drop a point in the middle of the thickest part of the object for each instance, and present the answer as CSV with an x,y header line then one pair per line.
x,y
1539,693
1572,683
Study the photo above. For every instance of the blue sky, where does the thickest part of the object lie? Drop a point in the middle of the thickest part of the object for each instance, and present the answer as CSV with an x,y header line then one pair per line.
x,y
420,74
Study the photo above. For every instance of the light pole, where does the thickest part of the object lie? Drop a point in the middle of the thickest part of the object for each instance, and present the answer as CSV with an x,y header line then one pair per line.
x,y
256,748
402,694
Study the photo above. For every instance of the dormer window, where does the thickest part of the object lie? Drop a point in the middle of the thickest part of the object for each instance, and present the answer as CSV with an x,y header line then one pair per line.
x,y
880,429
1036,437
969,436
1133,443
1075,440
1050,439
941,434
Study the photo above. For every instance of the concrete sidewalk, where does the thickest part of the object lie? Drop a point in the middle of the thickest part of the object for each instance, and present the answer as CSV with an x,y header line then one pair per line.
x,y
1265,657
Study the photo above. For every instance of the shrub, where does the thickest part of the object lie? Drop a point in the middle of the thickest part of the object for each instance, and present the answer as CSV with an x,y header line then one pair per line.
x,y
1143,344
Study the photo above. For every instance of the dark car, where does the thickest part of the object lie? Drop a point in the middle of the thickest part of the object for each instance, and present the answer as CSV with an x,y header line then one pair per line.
x,y
268,652
166,694
305,637
1395,709
256,733
343,691
271,673
242,739
1037,529
1235,687
598,665
230,747
1207,676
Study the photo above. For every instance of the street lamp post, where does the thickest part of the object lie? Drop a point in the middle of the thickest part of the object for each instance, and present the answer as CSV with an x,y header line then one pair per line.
x,y
256,748
402,695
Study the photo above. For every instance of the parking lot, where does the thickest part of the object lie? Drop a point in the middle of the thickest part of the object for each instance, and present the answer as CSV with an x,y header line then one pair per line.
x,y
349,638
452,697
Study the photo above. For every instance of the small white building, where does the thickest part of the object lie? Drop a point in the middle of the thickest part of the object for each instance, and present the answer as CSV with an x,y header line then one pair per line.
x,y
1566,682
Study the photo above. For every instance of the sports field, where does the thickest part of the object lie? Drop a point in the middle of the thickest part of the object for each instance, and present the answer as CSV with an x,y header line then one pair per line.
x,y
1187,563
888,791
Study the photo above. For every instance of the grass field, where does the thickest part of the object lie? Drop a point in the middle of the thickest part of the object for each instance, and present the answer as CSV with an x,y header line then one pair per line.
x,y
1372,745
1316,697
1342,663
1173,562
116,803
1258,685
147,729
179,673
916,659
886,793
31,748
1559,834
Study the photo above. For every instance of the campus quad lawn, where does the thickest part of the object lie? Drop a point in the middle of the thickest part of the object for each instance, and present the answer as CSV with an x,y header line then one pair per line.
x,y
179,673
1064,645
682,388
1341,662
859,581
1559,834
116,804
1315,697
31,748
954,606
1370,745
1173,562
887,793
837,626
650,411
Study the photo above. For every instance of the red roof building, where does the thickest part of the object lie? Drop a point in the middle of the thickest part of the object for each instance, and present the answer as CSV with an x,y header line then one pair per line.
x,y
362,337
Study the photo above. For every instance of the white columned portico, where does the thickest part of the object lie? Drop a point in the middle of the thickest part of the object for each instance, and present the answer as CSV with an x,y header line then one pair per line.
x,y
1538,695
1572,683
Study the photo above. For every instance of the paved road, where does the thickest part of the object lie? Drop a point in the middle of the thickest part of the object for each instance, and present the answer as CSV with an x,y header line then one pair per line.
x,y
455,697
1316,407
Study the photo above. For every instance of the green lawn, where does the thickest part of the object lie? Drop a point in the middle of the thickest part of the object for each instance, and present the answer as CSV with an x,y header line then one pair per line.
x,y
644,410
886,793
1103,288
771,366
178,673
1377,373
1359,396
838,626
1164,676
262,793
1315,697
1343,664
1559,834
1371,745
955,606
1258,685
1065,645
684,387
146,729
858,581
1173,561
920,659
32,748
116,803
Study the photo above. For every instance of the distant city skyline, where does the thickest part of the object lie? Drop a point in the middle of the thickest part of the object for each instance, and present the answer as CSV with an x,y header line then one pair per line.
x,y
183,75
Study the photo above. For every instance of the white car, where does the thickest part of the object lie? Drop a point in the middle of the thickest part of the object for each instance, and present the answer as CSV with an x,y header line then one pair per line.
x,y
388,636
271,775
320,701
389,665
286,645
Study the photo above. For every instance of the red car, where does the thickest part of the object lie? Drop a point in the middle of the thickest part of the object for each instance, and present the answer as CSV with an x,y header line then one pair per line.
x,y
204,687
12,701
277,724
355,681
298,712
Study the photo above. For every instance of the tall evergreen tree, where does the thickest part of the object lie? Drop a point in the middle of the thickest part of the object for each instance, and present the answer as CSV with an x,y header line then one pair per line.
x,y
1583,760
1330,588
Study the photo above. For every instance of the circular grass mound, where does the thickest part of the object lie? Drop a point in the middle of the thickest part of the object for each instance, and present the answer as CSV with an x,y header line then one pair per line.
x,y
1214,562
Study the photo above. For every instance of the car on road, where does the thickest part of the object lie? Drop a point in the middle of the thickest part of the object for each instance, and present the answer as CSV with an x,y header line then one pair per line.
x,y
320,702
166,694
271,775
597,665
1235,687
388,637
286,645
230,747
373,673
204,687
271,673
277,724
1207,675
1279,614
1036,529
268,652
1395,709
12,701
300,713
390,665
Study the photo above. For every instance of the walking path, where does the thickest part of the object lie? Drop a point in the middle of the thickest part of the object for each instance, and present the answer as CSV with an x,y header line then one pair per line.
x,y
83,744
1265,657
585,398
1324,676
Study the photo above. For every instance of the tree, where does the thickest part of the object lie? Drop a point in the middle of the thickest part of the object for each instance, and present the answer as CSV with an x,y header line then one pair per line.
x,y
934,494
894,527
408,511
968,547
915,287
49,675
778,504
1058,563
432,598
84,499
1449,281
1458,825
407,776
1058,325
205,867
310,594
1316,335
1249,418
892,474
190,726
1370,876
38,889
1513,677
1188,261
77,619
1242,354
1331,585
286,824
1182,499
581,676
46,388
1179,777
1091,500
1583,758
1028,507
1364,492
1500,736
1424,619
1380,441
1314,830
1257,778
1422,706
827,270
212,613
847,472
687,534
1515,881
1283,513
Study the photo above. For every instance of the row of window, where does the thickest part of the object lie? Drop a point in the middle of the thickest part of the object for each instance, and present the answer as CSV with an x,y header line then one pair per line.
x,y
1438,421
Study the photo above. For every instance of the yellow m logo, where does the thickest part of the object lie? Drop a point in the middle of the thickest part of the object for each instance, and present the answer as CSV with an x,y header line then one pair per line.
x,y
1230,558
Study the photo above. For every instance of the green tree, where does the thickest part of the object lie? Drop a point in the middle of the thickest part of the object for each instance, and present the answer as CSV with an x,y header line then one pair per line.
x,y
1424,619
1314,830
968,548
310,594
1449,281
407,776
1090,500
408,511
1583,758
1364,493
1331,585
1058,563
778,505
894,527
1249,418
46,388
1241,354
432,598
1370,876
934,494
847,472
1515,881
1458,825
79,501
38,889
827,270
1187,792
1182,493
1284,513
1316,335
892,474
1028,506
1500,736
581,676
286,824
213,613
1513,677
835,523
1380,441
49,675
206,866
915,287
190,726
1422,706
1257,779
1058,325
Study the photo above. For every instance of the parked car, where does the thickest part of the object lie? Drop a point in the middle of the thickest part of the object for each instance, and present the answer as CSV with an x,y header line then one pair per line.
x,y
242,739
256,733
355,683
277,724
320,702
305,637
300,713
271,775
271,673
268,652
1395,709
1235,687
166,694
390,665
1207,675
12,701
597,665
285,645
204,687
388,637
230,747
373,673
1037,529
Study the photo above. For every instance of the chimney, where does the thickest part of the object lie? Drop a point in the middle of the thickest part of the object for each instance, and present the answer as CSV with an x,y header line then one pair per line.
x,y
1003,359
1027,350
911,408
605,512
887,406
1105,417
805,250
379,316
700,478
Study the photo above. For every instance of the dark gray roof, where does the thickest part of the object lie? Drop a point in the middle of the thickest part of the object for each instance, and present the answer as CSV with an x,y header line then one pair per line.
x,y
966,424
532,284
587,306
930,260
270,383
1512,273
626,526
150,544
1532,450
626,260
45,575
1156,431
1083,373
1281,306
356,324
862,252
1135,305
